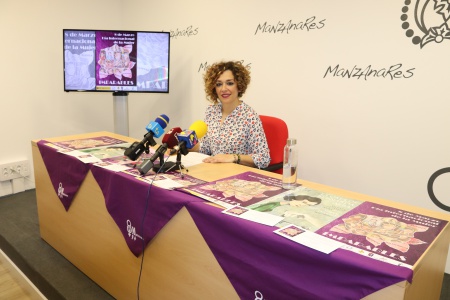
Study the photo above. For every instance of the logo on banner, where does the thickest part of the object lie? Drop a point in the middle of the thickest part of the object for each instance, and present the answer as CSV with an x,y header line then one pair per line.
x,y
61,193
426,21
259,295
132,231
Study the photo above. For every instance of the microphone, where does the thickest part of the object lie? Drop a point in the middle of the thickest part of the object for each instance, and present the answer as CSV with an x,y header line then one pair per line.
x,y
180,141
189,138
170,138
157,127
199,127
169,141
154,129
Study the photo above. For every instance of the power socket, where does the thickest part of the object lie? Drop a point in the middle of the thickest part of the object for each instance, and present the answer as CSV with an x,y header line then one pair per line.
x,y
18,169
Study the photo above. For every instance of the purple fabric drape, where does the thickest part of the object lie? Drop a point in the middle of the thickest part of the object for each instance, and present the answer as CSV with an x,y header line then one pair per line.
x,y
66,172
128,199
259,262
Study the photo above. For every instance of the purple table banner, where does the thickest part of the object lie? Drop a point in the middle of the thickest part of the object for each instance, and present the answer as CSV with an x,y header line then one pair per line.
x,y
263,265
66,172
259,263
129,201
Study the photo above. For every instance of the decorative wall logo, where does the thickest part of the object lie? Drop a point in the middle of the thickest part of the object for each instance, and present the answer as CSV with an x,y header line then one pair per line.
x,y
392,72
61,193
430,188
285,27
132,231
188,32
205,66
430,20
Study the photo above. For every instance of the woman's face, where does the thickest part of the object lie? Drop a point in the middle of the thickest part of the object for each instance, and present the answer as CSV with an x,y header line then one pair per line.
x,y
226,88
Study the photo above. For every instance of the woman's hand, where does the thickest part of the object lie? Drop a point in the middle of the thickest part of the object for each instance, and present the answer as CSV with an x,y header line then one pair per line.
x,y
220,158
245,160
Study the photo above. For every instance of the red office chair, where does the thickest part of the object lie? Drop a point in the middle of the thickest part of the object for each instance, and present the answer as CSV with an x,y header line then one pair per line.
x,y
277,134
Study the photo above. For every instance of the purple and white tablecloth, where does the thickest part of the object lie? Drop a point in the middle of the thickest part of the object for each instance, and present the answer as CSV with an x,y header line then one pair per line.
x,y
66,172
138,208
259,263
264,265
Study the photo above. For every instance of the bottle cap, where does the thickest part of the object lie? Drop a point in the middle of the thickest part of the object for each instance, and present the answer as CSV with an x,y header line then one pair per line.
x,y
291,142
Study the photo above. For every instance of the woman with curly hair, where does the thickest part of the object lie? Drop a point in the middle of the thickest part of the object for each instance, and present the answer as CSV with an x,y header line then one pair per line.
x,y
235,133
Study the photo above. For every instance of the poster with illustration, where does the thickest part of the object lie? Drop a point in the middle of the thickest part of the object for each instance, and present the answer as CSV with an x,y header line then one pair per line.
x,y
376,230
307,208
85,143
243,189
169,180
79,60
116,58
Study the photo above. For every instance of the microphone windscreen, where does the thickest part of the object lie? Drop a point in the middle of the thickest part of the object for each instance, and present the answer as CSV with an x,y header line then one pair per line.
x,y
189,137
162,120
170,138
200,128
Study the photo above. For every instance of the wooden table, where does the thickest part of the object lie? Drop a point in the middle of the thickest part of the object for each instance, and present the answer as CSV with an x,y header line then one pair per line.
x,y
88,237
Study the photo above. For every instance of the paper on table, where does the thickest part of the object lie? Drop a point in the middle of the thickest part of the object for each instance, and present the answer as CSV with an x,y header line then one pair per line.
x,y
192,159
168,184
86,158
309,239
112,166
251,215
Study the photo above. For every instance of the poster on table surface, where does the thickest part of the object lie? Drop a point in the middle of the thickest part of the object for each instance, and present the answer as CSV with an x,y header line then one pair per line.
x,y
385,232
243,189
79,144
307,208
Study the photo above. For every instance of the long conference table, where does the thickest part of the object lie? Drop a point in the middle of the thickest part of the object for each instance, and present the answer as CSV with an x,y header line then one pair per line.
x,y
193,251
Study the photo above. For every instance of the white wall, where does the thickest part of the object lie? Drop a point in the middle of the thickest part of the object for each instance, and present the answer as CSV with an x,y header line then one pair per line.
x,y
378,136
33,103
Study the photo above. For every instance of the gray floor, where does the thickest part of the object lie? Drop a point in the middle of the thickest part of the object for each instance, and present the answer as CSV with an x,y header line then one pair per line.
x,y
52,274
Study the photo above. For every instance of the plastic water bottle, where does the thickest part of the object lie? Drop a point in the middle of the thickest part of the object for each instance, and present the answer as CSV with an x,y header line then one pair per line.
x,y
290,164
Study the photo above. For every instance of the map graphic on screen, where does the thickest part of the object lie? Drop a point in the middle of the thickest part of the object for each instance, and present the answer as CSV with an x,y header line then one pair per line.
x,y
112,61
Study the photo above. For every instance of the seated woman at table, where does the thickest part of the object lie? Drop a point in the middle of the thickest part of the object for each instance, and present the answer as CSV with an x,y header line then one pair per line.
x,y
235,133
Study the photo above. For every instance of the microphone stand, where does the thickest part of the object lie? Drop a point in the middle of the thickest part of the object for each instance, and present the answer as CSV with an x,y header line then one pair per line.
x,y
181,150
163,166
147,163
135,150
180,164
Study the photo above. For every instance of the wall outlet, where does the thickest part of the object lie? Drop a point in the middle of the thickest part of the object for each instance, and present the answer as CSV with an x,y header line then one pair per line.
x,y
13,170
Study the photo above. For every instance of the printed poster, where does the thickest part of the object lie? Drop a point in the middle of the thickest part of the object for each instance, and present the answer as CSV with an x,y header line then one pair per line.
x,y
86,143
109,152
243,189
116,58
306,208
178,179
384,232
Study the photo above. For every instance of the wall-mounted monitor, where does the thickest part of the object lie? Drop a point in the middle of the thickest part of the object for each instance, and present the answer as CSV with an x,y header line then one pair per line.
x,y
116,61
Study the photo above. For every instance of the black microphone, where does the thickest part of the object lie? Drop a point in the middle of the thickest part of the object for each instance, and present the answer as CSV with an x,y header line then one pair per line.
x,y
169,141
154,129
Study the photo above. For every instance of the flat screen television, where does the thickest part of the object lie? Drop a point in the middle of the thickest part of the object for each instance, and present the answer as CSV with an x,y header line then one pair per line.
x,y
116,61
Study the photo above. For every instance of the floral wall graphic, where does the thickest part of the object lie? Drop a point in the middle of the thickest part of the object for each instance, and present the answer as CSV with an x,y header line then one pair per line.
x,y
429,19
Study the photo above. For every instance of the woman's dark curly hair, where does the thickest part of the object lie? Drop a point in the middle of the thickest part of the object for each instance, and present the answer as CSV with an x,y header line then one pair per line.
x,y
241,77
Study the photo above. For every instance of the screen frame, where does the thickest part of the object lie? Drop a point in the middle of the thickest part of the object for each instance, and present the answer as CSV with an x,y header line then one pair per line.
x,y
93,66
